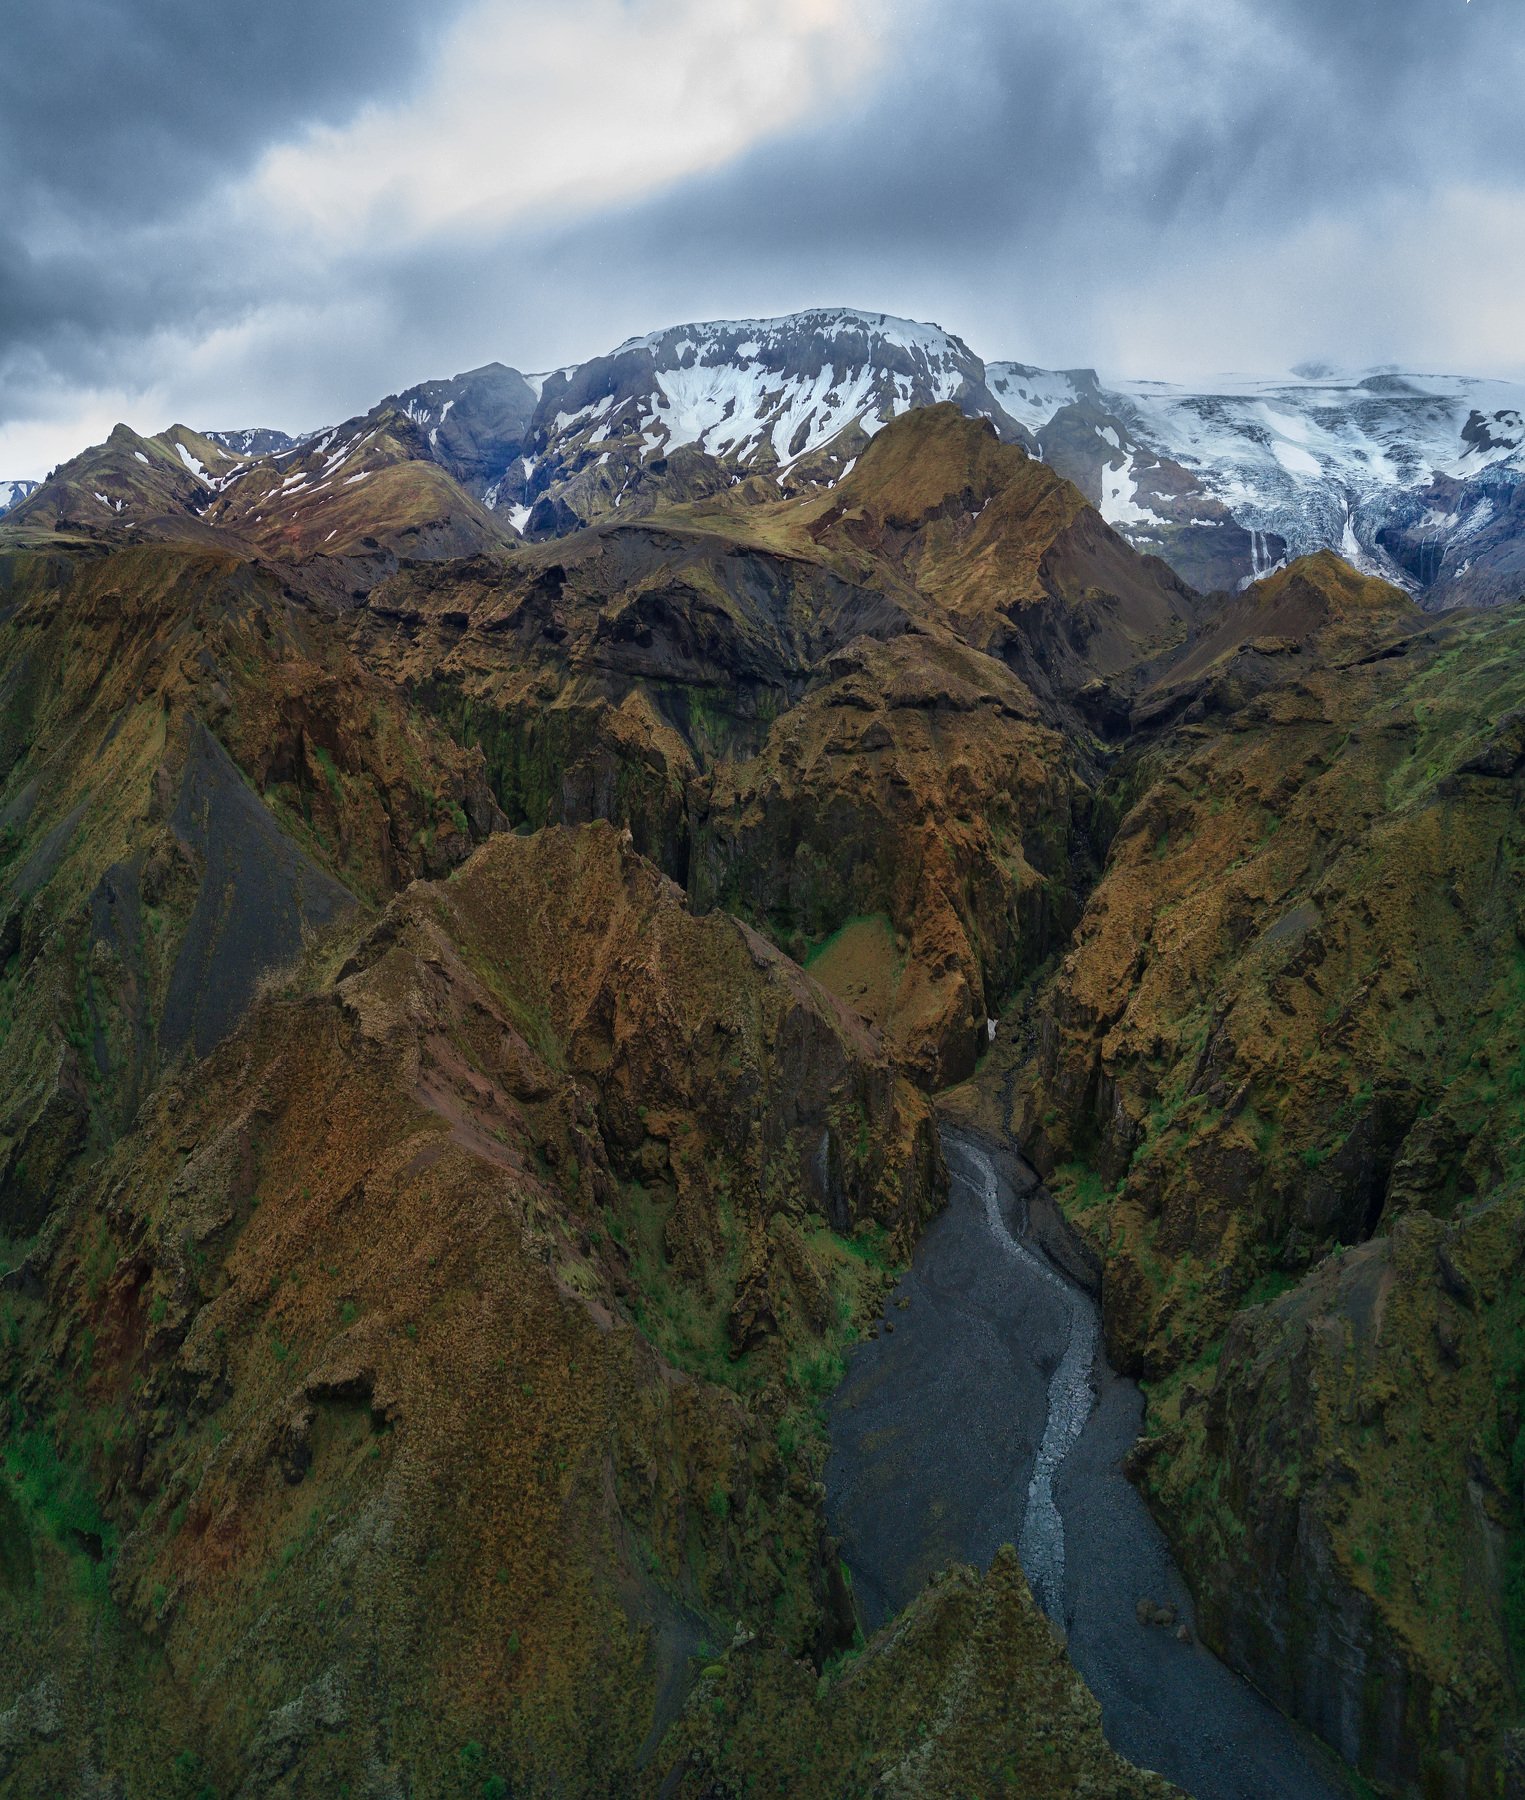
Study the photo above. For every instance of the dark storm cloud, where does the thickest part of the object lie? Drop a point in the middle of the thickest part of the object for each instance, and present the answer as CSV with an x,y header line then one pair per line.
x,y
128,110
1096,121
118,121
1022,172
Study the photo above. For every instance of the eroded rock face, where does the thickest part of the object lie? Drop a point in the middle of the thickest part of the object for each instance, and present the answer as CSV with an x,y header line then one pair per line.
x,y
1284,1041
483,1276
704,1043
197,777
1268,1025
913,831
1348,1489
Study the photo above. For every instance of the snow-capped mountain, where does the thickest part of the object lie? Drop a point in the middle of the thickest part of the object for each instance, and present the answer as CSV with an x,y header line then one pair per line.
x,y
765,392
12,493
1416,478
258,440
795,398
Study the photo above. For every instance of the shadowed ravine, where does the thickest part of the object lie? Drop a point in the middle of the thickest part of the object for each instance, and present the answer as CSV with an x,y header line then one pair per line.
x,y
985,1414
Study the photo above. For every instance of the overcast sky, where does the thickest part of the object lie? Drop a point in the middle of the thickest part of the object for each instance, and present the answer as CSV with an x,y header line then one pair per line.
x,y
277,214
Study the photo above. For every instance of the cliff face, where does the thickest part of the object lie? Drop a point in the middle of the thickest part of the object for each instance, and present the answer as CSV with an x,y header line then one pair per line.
x,y
1284,1041
197,775
1348,1488
486,1274
1272,1025
913,832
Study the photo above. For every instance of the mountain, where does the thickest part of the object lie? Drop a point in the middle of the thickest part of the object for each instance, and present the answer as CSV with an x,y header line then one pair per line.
x,y
796,397
1417,480
773,693
475,423
13,492
258,440
498,900
406,1219
155,485
1275,1079
1413,478
371,488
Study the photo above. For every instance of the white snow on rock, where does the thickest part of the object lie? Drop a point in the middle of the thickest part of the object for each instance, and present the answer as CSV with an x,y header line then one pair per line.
x,y
1032,396
12,493
1322,460
191,463
1119,496
778,390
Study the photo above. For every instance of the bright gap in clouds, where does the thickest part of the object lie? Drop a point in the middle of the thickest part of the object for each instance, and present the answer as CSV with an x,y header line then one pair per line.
x,y
531,109
1158,190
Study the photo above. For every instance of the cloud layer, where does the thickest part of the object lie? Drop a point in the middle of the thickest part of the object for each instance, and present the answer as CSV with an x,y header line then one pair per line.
x,y
275,215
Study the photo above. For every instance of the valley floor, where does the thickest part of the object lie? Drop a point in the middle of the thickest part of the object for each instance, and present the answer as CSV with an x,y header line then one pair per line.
x,y
936,1432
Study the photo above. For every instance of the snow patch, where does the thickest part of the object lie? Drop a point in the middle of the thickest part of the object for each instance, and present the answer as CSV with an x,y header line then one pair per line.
x,y
1119,497
193,465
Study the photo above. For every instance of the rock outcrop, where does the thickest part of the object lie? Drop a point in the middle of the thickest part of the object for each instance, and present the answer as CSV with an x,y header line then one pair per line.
x,y
486,1273
1282,1057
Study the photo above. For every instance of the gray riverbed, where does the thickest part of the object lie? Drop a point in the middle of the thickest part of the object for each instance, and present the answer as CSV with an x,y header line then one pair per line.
x,y
988,1416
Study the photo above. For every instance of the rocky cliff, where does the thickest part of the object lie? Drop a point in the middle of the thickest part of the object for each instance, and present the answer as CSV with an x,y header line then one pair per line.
x,y
1279,1056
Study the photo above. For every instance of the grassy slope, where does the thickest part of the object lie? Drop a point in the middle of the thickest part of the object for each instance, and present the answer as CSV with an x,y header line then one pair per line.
x,y
1293,1018
355,1345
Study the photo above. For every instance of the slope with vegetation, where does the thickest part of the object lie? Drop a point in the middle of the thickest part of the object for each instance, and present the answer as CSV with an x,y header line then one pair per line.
x,y
409,1220
1281,1060
466,1013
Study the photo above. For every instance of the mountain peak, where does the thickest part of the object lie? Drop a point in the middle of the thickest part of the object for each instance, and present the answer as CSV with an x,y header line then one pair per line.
x,y
1416,479
877,329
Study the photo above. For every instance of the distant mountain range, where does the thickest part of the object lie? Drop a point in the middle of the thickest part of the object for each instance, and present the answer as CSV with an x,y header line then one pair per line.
x,y
1417,478
12,493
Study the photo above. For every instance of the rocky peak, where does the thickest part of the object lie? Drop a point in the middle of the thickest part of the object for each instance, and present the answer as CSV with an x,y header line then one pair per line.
x,y
12,493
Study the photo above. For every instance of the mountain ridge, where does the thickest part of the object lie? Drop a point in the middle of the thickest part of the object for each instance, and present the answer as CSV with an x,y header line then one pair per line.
x,y
470,1005
1416,479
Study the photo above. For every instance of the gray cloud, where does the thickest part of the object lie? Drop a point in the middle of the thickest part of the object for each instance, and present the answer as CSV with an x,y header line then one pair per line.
x,y
1080,181
130,107
1062,143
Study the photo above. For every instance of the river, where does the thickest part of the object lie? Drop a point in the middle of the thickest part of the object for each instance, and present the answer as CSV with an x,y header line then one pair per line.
x,y
984,1414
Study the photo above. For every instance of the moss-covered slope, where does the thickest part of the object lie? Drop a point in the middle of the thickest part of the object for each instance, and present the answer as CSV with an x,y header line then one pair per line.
x,y
1288,1038
432,1296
